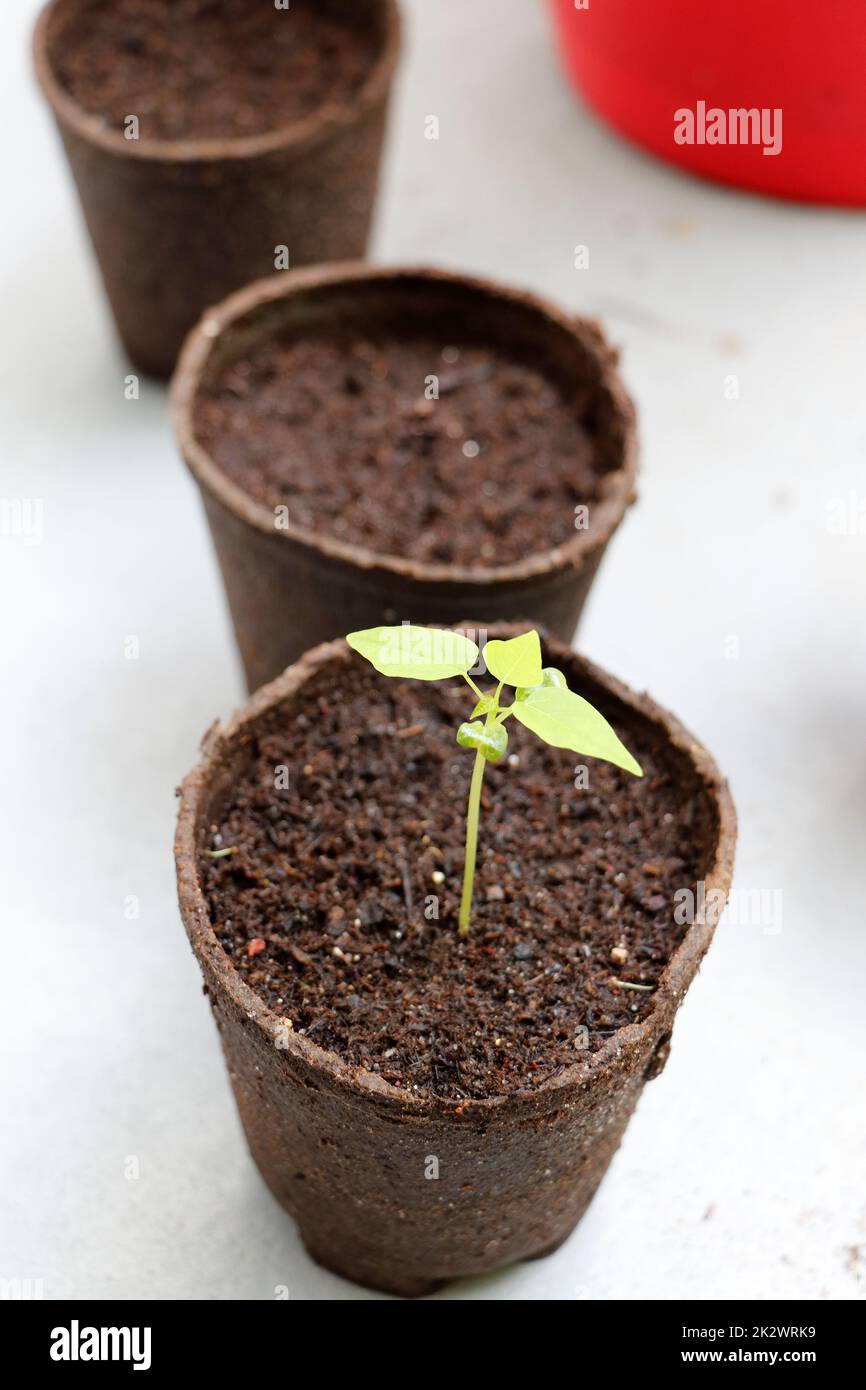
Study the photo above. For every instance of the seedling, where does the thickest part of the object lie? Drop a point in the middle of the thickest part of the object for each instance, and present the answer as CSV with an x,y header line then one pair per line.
x,y
542,702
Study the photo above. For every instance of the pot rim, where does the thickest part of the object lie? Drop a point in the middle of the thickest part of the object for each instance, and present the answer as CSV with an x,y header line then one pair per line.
x,y
674,981
619,484
318,126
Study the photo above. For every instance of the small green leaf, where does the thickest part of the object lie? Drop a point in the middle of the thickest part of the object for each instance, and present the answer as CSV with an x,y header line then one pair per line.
x,y
516,661
490,739
566,720
419,653
551,675
484,706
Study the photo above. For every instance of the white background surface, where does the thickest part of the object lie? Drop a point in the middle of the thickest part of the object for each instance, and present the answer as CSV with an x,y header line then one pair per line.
x,y
742,1171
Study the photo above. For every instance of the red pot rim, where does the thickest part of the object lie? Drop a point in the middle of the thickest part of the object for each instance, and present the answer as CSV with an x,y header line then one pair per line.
x,y
674,981
607,513
319,125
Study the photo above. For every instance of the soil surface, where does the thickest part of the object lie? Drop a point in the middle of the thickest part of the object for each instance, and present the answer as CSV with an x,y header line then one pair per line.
x,y
206,69
342,433
325,901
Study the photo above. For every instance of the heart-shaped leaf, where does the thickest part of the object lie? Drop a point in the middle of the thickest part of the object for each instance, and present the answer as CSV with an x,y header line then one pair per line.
x,y
516,661
566,720
489,739
419,653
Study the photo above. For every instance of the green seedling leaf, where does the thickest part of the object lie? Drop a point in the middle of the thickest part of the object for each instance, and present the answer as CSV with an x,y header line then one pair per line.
x,y
551,675
484,706
516,661
491,740
419,653
566,720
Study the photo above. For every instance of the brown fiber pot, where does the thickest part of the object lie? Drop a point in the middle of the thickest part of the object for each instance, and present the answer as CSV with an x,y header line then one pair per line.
x,y
178,225
288,588
344,1151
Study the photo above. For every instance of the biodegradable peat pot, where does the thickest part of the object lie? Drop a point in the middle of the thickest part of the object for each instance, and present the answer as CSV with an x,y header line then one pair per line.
x,y
291,585
179,221
345,1149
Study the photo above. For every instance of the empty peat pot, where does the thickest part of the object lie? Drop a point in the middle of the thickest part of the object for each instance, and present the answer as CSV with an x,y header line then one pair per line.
x,y
425,1106
210,142
379,445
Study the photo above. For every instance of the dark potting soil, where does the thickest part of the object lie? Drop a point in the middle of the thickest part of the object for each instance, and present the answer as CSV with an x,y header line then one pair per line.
x,y
207,69
343,434
325,903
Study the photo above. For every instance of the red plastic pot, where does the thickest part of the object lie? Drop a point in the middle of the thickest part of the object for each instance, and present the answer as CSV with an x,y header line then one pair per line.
x,y
638,64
